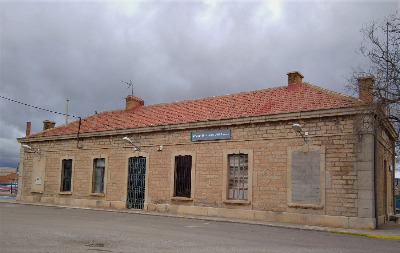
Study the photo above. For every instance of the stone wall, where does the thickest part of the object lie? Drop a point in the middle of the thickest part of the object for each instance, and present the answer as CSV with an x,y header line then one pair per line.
x,y
345,179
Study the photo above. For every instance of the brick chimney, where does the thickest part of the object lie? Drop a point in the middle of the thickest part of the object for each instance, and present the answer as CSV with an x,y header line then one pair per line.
x,y
48,124
294,77
366,88
133,102
28,129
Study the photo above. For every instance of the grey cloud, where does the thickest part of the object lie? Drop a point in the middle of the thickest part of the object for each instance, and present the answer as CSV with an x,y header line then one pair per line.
x,y
172,51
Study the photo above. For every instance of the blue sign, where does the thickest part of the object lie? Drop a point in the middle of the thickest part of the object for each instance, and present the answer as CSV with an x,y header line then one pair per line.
x,y
211,135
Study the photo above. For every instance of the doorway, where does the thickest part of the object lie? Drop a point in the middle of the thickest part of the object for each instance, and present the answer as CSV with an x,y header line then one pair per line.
x,y
136,182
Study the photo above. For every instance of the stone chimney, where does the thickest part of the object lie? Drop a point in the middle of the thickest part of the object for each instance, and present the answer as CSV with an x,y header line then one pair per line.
x,y
294,77
366,88
28,129
133,102
48,124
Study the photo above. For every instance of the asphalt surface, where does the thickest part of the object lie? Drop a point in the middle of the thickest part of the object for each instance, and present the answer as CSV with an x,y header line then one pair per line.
x,y
29,228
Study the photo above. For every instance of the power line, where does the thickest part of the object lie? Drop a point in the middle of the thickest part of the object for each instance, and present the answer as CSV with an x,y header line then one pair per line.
x,y
36,107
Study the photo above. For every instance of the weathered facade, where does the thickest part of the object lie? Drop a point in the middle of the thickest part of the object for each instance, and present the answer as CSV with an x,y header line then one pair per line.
x,y
232,156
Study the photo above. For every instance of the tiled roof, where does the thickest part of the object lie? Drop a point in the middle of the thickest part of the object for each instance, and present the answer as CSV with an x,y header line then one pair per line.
x,y
295,98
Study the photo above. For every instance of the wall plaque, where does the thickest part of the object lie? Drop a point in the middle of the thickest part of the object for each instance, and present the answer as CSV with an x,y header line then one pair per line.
x,y
211,135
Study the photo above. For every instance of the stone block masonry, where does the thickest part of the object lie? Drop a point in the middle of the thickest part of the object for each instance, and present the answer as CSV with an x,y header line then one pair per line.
x,y
330,196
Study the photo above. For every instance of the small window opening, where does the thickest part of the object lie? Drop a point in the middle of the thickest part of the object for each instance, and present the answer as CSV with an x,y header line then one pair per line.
x,y
183,169
238,177
98,175
66,175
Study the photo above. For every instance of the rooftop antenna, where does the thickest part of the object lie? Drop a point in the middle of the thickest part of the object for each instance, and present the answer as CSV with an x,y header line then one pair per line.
x,y
66,114
130,85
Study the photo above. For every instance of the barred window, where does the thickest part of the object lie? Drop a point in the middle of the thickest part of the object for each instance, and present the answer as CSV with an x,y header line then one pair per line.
x,y
98,175
238,177
183,174
66,175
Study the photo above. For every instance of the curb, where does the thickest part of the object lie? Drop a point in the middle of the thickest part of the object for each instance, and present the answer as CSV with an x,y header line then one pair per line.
x,y
366,235
215,219
184,216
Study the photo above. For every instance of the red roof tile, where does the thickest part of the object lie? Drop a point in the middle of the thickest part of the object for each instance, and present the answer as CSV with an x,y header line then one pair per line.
x,y
300,97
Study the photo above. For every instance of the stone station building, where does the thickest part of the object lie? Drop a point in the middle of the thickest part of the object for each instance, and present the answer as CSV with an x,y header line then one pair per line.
x,y
233,156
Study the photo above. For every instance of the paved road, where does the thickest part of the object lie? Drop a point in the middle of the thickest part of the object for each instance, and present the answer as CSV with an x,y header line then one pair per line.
x,y
28,228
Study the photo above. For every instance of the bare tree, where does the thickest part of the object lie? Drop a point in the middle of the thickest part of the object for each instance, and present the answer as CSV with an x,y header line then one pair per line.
x,y
381,48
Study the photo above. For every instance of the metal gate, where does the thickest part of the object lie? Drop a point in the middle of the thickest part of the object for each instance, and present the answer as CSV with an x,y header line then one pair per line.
x,y
136,182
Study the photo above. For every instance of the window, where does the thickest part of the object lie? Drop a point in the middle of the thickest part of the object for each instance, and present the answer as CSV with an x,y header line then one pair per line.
x,y
98,175
238,177
183,175
66,175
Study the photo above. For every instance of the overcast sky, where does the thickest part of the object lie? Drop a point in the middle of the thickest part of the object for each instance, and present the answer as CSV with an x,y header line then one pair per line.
x,y
51,51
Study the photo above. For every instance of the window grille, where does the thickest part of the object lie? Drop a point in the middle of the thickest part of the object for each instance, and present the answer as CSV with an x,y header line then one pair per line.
x,y
238,177
136,182
66,175
98,175
183,169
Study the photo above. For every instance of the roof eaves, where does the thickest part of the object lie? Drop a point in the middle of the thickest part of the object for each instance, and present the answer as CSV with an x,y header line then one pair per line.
x,y
327,112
